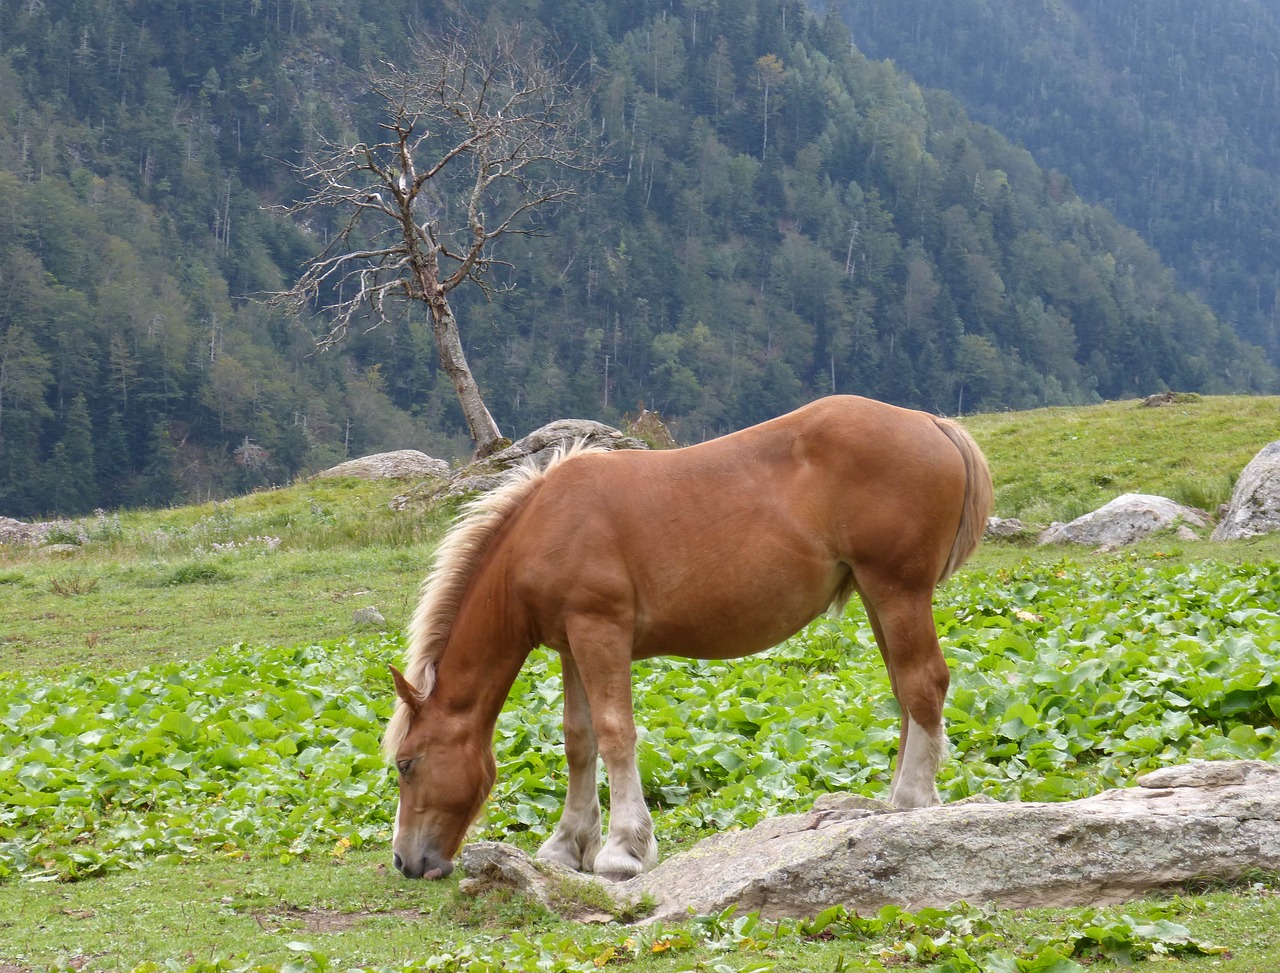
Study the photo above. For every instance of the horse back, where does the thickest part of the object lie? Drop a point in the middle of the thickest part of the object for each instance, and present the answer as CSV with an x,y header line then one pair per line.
x,y
729,546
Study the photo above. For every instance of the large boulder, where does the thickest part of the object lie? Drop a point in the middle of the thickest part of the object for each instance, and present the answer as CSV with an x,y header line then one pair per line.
x,y
1180,824
541,444
1125,520
1255,503
399,464
538,447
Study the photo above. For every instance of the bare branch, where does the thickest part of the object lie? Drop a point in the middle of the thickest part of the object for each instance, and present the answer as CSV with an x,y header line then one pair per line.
x,y
475,138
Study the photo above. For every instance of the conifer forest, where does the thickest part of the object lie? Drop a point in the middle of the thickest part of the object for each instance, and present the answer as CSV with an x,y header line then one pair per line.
x,y
781,212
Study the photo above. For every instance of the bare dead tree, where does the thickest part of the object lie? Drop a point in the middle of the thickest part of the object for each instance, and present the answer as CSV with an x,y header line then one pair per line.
x,y
480,138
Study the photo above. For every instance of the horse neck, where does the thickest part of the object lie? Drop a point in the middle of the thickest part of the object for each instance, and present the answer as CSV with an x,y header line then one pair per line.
x,y
487,645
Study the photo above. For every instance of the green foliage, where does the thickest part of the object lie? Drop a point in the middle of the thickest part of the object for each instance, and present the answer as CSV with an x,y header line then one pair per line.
x,y
275,750
196,572
1065,680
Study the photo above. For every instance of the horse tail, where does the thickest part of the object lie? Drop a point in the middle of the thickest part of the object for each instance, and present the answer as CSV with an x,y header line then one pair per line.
x,y
979,497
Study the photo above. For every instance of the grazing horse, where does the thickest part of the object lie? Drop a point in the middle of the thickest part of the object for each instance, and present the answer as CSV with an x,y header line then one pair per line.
x,y
713,551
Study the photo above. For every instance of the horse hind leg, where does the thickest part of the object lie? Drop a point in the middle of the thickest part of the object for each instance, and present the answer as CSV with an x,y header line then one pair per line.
x,y
908,641
576,839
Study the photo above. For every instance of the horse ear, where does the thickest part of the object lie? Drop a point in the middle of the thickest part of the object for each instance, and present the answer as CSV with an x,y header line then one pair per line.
x,y
405,689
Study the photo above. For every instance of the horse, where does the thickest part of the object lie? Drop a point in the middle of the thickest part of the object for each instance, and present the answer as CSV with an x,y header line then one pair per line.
x,y
712,551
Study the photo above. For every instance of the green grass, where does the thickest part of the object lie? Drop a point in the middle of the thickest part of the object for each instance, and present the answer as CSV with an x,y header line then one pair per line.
x,y
354,913
1056,464
273,567
142,620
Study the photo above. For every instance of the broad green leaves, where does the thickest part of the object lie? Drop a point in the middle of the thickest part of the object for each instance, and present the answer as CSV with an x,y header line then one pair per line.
x,y
1065,680
256,749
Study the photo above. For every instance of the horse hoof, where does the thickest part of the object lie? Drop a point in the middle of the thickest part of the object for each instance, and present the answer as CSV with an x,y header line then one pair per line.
x,y
616,876
617,869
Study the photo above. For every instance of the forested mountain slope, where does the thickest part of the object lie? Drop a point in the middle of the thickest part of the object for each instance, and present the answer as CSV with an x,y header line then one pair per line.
x,y
1165,111
781,217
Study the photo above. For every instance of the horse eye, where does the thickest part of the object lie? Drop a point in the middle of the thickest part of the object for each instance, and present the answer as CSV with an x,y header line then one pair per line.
x,y
403,766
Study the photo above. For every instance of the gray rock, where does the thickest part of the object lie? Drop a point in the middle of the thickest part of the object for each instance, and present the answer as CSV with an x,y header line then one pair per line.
x,y
368,618
399,464
538,447
541,443
20,532
495,864
1010,527
1125,520
1191,822
1255,502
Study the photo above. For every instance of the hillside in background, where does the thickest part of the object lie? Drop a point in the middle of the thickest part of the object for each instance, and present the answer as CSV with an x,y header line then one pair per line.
x,y
1165,111
782,217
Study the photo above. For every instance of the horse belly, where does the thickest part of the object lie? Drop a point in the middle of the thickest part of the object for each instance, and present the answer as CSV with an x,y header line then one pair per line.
x,y
736,611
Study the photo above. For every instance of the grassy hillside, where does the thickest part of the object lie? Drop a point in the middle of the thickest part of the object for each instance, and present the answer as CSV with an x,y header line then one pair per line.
x,y
1056,464
293,564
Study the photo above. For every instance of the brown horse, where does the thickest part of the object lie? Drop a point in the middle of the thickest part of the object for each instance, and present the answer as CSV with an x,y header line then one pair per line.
x,y
714,551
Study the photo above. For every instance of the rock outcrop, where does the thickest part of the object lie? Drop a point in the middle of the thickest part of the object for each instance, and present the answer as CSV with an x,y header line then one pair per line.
x,y
399,464
1127,519
1255,503
32,535
1216,820
538,447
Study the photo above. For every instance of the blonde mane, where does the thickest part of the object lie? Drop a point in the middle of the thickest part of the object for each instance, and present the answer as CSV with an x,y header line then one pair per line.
x,y
452,565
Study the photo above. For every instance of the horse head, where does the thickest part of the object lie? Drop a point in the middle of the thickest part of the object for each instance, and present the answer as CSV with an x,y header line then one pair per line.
x,y
445,774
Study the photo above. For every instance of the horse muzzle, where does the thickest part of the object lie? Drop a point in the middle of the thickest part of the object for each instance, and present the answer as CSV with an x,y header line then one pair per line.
x,y
424,866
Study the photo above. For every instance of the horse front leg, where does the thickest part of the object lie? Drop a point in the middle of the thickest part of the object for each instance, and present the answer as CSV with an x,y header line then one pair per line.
x,y
576,839
602,651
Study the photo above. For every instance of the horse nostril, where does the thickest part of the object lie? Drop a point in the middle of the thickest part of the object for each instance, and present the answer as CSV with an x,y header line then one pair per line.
x,y
397,861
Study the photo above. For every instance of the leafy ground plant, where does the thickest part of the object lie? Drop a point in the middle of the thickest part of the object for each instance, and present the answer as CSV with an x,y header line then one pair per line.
x,y
1067,678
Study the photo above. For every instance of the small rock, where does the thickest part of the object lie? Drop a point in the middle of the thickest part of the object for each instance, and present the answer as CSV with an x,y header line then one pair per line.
x,y
1011,527
538,448
495,864
20,532
369,618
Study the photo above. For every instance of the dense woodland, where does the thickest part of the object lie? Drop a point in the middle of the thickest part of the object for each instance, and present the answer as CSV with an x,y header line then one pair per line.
x,y
1165,111
781,217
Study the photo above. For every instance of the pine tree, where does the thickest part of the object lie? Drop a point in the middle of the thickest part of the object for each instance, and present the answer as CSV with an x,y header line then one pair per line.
x,y
160,485
72,484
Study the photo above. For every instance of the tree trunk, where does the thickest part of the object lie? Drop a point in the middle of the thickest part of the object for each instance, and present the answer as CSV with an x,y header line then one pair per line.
x,y
484,431
425,285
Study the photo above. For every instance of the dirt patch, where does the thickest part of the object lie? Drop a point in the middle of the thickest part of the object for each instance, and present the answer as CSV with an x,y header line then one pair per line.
x,y
318,920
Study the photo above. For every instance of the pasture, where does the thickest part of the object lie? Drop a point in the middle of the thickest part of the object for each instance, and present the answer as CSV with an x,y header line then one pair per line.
x,y
189,725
